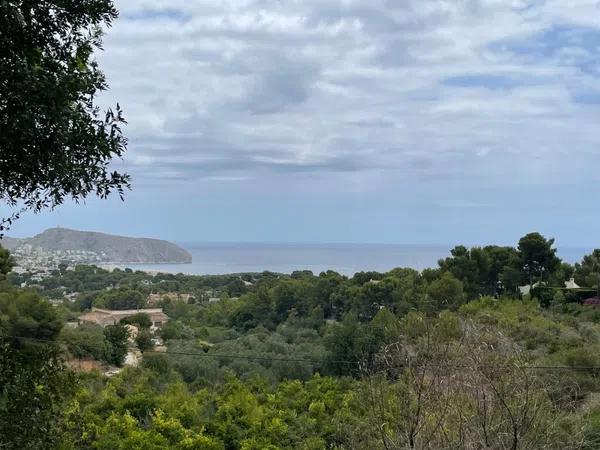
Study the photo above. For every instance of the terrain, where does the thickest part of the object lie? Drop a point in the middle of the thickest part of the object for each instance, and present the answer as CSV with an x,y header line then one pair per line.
x,y
91,246
453,357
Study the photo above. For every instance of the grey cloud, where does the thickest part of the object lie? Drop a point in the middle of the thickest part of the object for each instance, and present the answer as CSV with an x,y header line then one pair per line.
x,y
234,164
261,87
158,14
273,92
372,123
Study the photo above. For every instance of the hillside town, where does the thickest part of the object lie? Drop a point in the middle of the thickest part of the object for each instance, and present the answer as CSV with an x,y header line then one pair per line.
x,y
56,247
40,260
103,318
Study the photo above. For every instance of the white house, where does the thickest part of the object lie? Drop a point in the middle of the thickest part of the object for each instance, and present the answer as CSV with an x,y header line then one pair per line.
x,y
571,284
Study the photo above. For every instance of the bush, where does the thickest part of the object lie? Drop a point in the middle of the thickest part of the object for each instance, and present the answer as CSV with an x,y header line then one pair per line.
x,y
85,341
116,338
143,340
140,320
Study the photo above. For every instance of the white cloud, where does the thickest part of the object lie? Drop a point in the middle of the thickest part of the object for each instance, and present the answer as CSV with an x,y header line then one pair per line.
x,y
237,90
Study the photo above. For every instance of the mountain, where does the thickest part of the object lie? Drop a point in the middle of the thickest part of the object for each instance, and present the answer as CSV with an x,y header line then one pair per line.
x,y
10,243
100,246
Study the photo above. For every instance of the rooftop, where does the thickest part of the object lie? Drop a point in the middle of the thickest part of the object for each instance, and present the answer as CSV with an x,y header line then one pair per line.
x,y
118,312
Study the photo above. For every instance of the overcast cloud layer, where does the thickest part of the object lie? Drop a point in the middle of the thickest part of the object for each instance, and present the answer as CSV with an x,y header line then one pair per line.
x,y
394,121
230,90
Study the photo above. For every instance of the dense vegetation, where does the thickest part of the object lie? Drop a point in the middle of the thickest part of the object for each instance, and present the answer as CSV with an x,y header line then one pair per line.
x,y
446,358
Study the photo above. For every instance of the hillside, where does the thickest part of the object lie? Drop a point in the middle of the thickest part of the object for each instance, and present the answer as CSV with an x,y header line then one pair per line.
x,y
10,243
324,359
110,248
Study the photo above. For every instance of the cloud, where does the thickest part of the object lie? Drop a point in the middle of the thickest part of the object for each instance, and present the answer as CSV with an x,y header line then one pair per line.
x,y
250,89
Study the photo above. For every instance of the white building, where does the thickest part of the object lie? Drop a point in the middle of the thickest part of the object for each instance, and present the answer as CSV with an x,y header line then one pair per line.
x,y
571,284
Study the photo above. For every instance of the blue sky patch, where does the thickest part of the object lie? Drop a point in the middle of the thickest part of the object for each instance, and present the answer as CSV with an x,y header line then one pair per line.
x,y
587,98
551,42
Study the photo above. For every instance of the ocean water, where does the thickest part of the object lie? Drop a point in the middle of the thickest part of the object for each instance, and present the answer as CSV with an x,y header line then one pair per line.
x,y
285,258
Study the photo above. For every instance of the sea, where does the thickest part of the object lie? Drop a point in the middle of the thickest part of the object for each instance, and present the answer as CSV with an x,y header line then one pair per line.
x,y
347,259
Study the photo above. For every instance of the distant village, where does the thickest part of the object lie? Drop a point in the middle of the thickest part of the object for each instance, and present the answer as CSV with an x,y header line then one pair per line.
x,y
30,258
104,317
40,271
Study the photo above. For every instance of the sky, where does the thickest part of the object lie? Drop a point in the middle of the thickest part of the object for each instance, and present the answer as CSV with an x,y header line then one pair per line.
x,y
417,122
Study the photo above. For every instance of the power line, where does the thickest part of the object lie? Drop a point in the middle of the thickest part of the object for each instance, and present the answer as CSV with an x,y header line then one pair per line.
x,y
248,357
214,355
318,361
446,366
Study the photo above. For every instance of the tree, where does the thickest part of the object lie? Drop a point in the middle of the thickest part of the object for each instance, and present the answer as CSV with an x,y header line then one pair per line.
x,y
33,381
504,270
174,329
537,256
384,328
292,294
483,271
347,345
140,320
463,387
471,267
236,287
143,340
285,298
122,432
6,262
410,290
34,386
364,277
85,341
26,314
116,337
587,273
253,310
54,142
446,292
121,299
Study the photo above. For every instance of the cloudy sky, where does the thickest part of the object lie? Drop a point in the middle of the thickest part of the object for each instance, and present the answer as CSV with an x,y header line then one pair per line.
x,y
412,121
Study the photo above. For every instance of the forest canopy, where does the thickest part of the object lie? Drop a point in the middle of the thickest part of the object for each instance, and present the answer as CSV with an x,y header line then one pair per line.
x,y
446,358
